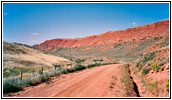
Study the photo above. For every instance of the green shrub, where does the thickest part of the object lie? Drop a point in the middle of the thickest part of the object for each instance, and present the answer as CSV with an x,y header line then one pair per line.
x,y
55,73
167,85
117,45
57,66
72,69
35,79
44,77
154,84
15,84
65,71
164,44
153,87
28,82
99,64
95,60
111,86
155,66
161,68
149,56
93,65
11,85
144,59
79,67
40,72
145,71
156,38
79,61
165,59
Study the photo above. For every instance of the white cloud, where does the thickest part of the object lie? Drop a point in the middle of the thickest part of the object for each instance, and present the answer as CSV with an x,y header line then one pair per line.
x,y
133,23
34,41
5,14
35,34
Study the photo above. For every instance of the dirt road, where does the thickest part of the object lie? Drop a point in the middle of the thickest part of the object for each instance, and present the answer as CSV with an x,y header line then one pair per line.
x,y
102,81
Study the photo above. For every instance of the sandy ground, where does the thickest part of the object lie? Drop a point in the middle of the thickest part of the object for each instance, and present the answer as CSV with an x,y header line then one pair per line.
x,y
94,82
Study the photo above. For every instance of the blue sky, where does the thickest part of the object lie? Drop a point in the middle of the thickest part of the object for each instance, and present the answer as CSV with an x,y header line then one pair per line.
x,y
33,23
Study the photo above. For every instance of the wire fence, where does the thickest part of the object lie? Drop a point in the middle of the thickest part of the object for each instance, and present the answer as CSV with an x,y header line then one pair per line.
x,y
23,75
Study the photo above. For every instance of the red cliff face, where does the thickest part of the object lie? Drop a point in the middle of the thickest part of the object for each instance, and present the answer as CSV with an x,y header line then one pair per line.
x,y
138,33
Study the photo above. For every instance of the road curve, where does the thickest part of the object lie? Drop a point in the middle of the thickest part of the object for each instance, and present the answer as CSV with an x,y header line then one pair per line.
x,y
93,82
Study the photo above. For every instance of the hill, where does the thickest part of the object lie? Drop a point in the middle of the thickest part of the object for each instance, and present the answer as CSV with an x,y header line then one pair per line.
x,y
113,46
138,33
20,55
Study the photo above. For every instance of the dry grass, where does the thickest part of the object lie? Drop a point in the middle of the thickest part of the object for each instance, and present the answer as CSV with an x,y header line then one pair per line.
x,y
31,57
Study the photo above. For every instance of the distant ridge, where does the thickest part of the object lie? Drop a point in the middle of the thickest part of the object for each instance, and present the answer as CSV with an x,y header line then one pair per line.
x,y
138,33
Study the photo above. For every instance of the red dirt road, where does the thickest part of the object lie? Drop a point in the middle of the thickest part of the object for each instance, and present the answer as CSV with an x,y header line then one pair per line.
x,y
94,82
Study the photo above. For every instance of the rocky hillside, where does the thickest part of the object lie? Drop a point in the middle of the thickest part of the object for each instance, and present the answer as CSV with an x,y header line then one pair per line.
x,y
138,33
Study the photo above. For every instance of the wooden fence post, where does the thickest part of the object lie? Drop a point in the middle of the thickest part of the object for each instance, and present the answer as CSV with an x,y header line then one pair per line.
x,y
21,77
42,70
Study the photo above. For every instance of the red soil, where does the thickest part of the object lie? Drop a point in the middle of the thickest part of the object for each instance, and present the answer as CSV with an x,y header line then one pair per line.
x,y
138,33
161,77
153,47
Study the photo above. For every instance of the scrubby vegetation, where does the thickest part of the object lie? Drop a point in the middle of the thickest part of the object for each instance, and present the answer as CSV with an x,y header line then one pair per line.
x,y
152,61
152,87
140,62
98,60
111,86
161,68
165,42
156,38
145,71
16,84
117,45
167,85
155,66
120,51
78,67
99,64
93,65
11,85
15,71
79,61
